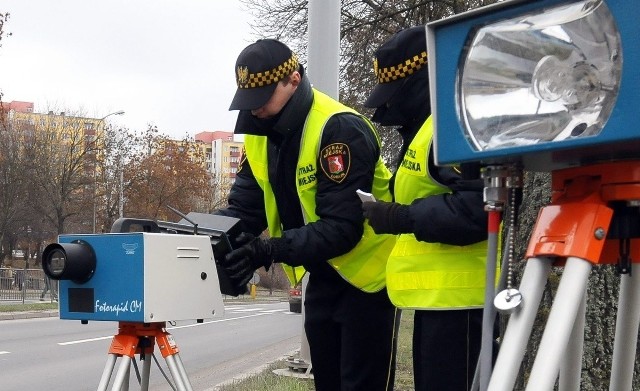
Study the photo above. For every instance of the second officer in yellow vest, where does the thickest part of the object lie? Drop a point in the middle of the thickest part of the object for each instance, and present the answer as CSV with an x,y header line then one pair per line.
x,y
438,264
305,156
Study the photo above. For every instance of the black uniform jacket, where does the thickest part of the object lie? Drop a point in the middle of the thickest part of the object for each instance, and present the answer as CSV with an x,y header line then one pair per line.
x,y
340,224
457,218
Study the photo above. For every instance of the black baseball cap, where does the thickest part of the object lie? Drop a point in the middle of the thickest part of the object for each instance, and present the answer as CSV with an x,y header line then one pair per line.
x,y
401,56
259,68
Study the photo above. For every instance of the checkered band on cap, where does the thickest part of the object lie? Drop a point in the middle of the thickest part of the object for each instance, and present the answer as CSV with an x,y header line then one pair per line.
x,y
404,69
265,78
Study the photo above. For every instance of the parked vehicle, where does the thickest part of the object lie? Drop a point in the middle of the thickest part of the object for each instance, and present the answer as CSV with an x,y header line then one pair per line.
x,y
295,299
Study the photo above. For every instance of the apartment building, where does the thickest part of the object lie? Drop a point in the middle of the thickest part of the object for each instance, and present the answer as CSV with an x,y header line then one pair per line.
x,y
223,155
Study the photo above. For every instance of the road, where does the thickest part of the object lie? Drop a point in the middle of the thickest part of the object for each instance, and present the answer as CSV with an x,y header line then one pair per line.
x,y
63,355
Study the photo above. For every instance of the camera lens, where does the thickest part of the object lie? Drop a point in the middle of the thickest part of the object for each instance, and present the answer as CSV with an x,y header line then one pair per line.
x,y
74,261
55,262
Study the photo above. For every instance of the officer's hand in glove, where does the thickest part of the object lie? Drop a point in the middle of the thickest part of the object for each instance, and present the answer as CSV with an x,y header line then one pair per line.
x,y
251,254
388,217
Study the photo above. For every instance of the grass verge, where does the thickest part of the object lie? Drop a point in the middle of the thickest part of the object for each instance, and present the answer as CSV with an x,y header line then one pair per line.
x,y
267,380
28,307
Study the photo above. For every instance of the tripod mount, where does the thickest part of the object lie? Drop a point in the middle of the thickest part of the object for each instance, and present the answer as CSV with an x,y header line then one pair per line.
x,y
593,219
140,338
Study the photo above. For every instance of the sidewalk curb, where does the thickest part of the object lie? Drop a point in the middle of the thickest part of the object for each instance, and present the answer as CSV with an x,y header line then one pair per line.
x,y
28,315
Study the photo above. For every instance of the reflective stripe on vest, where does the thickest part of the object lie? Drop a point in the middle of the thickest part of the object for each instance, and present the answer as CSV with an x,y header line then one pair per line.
x,y
364,266
423,275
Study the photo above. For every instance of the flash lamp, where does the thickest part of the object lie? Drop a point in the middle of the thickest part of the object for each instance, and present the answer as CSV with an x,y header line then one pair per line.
x,y
549,84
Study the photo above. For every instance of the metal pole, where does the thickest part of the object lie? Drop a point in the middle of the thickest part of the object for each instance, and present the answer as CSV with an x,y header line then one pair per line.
x,y
305,353
489,313
324,45
95,179
121,195
322,68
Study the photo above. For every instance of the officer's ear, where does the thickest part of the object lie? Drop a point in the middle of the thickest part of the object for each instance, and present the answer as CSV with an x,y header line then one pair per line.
x,y
294,78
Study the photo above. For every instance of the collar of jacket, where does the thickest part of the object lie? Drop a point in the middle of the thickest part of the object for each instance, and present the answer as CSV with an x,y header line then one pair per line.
x,y
289,120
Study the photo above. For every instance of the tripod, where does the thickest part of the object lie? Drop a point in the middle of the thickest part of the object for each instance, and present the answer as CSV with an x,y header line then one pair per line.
x,y
140,338
592,220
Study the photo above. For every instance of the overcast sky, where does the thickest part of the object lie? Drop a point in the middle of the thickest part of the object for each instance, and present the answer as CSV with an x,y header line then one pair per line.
x,y
168,63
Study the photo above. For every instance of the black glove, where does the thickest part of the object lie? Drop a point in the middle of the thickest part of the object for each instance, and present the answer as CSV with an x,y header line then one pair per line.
x,y
251,254
388,217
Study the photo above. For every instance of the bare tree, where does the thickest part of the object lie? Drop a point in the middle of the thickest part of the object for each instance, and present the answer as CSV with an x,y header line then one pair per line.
x,y
4,17
220,188
116,149
62,156
13,186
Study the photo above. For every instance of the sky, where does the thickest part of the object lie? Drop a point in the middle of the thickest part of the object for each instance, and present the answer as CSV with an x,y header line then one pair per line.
x,y
169,63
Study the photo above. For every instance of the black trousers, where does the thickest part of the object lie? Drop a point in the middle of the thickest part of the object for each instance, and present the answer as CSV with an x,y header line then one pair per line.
x,y
352,336
446,346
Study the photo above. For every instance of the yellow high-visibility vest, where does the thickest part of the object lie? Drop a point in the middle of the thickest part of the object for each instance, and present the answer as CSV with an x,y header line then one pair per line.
x,y
364,266
423,275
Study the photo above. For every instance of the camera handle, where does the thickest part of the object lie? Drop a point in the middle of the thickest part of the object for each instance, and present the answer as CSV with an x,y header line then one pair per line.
x,y
124,225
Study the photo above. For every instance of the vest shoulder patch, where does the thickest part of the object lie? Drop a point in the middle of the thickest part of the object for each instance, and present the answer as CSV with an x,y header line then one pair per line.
x,y
335,160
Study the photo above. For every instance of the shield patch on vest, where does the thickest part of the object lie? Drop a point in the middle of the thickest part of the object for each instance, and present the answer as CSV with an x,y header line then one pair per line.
x,y
335,160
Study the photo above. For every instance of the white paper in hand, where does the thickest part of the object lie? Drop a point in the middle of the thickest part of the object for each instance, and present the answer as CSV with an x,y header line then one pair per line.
x,y
365,197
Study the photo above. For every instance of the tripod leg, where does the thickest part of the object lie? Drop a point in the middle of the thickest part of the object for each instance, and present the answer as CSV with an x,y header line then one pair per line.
x,y
127,376
178,372
108,370
182,371
559,326
146,371
170,351
626,338
517,334
571,368
121,382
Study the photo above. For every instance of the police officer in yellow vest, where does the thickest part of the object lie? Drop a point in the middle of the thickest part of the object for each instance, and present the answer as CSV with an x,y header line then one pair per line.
x,y
305,156
438,264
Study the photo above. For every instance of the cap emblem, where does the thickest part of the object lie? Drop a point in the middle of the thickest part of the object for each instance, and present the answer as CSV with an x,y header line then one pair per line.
x,y
268,77
243,75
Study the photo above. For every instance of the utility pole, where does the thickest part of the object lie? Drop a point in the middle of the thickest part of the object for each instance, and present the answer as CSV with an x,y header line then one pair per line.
x,y
323,69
